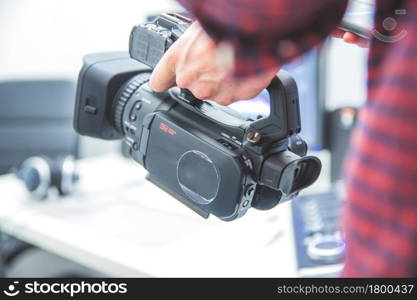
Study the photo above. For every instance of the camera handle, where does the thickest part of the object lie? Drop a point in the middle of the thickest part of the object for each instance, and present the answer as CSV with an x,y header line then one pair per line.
x,y
187,96
283,120
284,117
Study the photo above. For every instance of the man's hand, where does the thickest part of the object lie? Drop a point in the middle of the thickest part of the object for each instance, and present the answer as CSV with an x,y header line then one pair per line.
x,y
195,62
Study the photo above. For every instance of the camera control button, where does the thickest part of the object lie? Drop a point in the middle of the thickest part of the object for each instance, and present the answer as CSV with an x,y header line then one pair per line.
x,y
138,105
135,146
249,191
132,117
90,109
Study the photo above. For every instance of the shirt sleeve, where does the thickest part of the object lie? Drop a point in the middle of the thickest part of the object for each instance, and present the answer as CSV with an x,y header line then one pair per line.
x,y
267,33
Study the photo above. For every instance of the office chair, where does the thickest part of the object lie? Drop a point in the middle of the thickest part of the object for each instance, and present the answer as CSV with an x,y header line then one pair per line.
x,y
35,119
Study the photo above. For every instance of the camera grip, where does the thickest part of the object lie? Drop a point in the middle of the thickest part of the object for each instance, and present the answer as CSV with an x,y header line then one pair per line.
x,y
284,117
187,96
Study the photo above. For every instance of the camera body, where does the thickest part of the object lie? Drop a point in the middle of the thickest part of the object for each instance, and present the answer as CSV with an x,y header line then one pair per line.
x,y
211,158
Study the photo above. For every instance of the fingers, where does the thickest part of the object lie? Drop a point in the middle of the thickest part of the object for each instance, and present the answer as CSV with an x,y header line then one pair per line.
x,y
191,63
252,86
232,90
204,90
163,76
352,38
338,33
180,65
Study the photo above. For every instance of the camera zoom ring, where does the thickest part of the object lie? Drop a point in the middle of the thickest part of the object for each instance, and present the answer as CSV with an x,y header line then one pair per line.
x,y
124,95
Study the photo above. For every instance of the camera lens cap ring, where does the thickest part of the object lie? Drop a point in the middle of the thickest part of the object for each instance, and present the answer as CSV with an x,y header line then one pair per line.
x,y
123,96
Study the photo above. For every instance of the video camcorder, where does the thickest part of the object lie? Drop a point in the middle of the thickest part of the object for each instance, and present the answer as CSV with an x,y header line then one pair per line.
x,y
210,157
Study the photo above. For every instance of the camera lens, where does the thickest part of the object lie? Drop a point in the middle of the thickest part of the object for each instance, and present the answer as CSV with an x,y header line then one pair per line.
x,y
123,97
198,177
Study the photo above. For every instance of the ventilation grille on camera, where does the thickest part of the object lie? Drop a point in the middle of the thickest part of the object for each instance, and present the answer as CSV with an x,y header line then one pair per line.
x,y
124,95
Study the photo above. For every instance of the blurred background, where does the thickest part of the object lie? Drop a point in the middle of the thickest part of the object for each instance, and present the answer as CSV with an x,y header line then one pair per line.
x,y
42,45
46,40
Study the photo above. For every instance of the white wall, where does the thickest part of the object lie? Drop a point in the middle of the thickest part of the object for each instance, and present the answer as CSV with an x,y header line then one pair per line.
x,y
42,38
48,38
345,75
346,66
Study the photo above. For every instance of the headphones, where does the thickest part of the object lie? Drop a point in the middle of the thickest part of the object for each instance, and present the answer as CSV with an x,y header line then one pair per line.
x,y
40,173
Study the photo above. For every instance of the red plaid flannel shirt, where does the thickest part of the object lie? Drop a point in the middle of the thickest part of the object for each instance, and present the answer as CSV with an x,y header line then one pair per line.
x,y
381,213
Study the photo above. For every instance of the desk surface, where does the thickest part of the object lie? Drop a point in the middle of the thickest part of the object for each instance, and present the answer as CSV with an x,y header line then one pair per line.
x,y
120,224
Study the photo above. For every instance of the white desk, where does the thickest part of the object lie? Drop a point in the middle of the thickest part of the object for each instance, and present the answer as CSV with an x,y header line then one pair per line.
x,y
120,224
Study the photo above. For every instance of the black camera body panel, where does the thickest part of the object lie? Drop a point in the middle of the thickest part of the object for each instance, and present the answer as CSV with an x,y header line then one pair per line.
x,y
149,42
161,131
185,163
211,158
100,78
